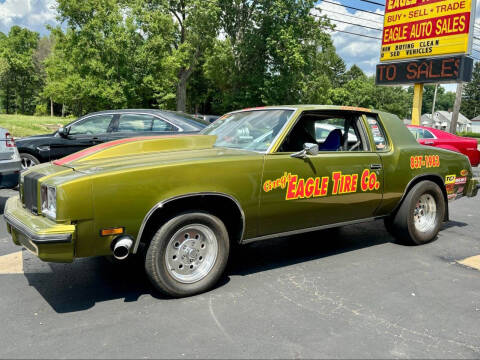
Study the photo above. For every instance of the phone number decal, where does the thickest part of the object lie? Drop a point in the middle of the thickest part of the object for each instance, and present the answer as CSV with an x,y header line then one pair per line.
x,y
427,161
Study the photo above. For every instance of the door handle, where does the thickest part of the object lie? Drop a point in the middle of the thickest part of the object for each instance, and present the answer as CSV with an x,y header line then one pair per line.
x,y
428,142
375,166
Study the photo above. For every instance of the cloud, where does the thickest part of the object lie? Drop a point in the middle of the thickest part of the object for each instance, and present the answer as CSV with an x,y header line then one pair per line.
x,y
33,14
362,49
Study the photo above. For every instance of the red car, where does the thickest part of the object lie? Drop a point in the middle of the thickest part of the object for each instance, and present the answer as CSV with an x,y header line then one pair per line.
x,y
445,140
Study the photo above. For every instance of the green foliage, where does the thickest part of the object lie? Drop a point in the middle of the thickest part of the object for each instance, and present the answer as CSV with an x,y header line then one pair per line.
x,y
193,55
470,134
19,73
471,95
361,91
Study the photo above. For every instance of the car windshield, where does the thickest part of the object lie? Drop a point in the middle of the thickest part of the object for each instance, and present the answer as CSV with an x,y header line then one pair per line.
x,y
250,130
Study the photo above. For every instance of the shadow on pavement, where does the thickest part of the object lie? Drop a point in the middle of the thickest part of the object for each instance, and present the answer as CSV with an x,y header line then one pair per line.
x,y
79,286
453,223
275,253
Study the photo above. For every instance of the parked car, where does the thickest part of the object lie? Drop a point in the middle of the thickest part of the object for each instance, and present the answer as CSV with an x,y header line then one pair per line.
x,y
9,161
103,126
444,140
180,203
209,118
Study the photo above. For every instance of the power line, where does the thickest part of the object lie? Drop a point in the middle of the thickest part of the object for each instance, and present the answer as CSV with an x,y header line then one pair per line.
x,y
363,26
353,8
352,33
373,2
355,17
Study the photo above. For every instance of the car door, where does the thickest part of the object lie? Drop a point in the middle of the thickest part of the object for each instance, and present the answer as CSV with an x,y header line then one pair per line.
x,y
337,185
85,132
137,124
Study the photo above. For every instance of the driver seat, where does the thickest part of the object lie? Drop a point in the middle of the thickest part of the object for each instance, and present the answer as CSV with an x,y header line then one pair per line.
x,y
333,141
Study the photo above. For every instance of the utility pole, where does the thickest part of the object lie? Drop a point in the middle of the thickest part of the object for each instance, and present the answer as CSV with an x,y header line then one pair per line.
x,y
456,109
433,105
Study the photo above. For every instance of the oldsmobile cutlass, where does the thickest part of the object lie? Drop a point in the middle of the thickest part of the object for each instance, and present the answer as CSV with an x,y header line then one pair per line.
x,y
181,202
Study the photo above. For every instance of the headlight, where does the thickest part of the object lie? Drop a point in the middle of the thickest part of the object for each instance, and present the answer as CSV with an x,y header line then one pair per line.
x,y
49,201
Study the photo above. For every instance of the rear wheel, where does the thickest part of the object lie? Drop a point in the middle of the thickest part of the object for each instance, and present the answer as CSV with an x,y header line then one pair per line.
x,y
188,254
28,161
420,216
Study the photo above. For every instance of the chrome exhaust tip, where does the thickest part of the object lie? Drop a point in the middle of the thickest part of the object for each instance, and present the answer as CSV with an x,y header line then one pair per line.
x,y
121,247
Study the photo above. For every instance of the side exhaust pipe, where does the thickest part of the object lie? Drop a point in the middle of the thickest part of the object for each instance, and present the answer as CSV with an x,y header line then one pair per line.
x,y
121,247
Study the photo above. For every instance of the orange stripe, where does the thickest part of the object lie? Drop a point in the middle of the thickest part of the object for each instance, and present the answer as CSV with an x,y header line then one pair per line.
x,y
96,148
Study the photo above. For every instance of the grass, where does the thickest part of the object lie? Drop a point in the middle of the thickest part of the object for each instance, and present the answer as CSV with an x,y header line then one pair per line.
x,y
26,125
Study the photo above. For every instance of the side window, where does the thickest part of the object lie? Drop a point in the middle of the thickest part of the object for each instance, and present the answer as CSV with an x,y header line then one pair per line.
x,y
330,133
162,125
378,134
415,132
428,135
97,124
135,123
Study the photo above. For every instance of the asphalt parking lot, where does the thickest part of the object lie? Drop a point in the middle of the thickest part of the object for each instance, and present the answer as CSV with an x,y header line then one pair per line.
x,y
352,293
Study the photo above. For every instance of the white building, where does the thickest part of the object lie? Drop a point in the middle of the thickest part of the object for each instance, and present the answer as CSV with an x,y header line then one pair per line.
x,y
442,119
476,124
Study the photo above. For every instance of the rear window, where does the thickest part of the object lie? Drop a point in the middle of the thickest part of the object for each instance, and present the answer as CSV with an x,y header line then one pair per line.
x,y
378,133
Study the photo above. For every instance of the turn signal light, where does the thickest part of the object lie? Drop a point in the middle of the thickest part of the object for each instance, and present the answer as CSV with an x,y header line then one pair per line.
x,y
112,231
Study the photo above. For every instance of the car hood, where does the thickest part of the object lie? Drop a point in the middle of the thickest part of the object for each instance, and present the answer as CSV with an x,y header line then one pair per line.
x,y
145,151
34,138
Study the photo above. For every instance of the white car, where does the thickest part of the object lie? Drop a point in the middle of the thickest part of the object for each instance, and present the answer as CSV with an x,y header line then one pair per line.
x,y
10,164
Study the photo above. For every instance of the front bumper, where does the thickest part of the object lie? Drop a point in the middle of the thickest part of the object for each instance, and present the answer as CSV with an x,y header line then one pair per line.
x,y
41,236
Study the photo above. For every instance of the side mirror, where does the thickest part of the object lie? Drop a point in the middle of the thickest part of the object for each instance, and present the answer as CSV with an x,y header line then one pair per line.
x,y
63,132
308,149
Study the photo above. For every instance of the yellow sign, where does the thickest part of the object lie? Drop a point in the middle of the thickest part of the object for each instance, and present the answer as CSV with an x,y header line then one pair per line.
x,y
424,28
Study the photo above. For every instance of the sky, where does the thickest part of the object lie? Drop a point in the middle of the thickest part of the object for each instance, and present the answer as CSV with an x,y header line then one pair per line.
x,y
354,49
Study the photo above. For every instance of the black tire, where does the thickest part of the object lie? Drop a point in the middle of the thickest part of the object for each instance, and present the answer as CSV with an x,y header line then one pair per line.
x,y
28,160
162,278
402,225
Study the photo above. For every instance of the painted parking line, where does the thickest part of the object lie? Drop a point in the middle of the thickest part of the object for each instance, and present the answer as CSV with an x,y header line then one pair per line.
x,y
473,262
11,263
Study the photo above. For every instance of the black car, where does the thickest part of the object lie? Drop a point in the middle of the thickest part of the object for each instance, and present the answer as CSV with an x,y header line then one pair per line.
x,y
99,127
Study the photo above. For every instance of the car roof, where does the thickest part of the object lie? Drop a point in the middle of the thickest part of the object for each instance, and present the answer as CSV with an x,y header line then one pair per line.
x,y
312,107
176,117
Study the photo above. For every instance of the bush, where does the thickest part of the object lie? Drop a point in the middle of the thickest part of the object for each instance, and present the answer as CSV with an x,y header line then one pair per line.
x,y
41,109
470,134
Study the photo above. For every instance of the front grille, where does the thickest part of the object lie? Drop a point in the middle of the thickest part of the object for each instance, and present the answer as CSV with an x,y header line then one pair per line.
x,y
30,191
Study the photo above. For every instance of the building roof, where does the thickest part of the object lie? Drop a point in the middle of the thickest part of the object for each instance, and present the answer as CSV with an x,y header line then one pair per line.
x,y
476,118
448,115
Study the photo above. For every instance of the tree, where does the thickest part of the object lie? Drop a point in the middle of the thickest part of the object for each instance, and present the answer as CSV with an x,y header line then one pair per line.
x,y
113,54
195,27
362,91
19,78
471,95
274,52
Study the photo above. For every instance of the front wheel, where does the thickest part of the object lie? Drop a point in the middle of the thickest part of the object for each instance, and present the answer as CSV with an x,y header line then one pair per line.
x,y
28,161
420,216
188,254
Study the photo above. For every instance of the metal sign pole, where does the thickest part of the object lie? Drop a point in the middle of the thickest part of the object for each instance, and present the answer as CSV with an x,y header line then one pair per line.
x,y
417,103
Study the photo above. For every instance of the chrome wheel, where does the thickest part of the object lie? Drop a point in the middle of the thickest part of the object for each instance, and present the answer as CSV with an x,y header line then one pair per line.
x,y
191,253
27,163
425,213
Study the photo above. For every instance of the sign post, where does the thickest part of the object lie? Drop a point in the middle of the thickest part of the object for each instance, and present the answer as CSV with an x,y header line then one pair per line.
x,y
417,103
434,35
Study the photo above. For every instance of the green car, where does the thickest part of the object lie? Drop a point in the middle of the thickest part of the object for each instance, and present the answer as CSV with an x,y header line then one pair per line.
x,y
183,203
